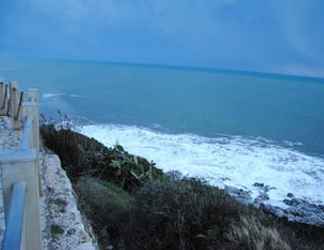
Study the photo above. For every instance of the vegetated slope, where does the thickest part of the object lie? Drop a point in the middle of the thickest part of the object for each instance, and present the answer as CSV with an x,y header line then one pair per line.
x,y
134,205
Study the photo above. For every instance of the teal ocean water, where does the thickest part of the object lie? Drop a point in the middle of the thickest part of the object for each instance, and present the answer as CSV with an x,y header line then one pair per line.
x,y
231,127
180,100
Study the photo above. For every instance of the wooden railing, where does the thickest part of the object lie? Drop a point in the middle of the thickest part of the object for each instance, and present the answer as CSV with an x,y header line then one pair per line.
x,y
20,170
11,100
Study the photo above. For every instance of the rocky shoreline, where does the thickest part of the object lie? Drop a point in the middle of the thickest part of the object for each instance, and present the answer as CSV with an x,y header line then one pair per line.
x,y
298,210
119,174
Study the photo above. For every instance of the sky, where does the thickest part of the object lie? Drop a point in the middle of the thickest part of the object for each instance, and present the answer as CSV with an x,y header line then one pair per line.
x,y
276,36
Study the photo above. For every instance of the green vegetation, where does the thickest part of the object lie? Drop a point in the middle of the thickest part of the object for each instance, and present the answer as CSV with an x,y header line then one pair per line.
x,y
133,205
189,214
56,230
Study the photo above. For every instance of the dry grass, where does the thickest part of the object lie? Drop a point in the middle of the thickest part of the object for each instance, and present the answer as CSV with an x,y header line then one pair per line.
x,y
189,214
256,235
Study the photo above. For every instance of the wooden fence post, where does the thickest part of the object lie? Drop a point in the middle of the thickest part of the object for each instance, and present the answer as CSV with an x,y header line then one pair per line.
x,y
17,119
13,100
2,94
31,109
4,101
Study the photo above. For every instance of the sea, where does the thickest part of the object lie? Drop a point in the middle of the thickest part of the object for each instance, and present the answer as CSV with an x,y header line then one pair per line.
x,y
231,128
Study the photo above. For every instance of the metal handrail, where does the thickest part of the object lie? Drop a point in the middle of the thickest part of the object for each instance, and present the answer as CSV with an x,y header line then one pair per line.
x,y
26,134
15,218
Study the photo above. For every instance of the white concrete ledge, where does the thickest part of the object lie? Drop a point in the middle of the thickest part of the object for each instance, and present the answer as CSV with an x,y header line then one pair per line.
x,y
12,156
27,133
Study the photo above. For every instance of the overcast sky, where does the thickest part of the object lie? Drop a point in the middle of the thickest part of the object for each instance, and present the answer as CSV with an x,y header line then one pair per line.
x,y
283,36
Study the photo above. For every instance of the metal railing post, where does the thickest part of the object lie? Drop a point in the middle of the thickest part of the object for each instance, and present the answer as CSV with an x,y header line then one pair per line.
x,y
22,167
12,239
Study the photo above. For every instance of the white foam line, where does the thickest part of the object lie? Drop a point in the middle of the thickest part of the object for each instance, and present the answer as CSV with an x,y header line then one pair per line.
x,y
243,161
51,95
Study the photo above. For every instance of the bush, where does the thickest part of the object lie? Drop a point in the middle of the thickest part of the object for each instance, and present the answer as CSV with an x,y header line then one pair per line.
x,y
186,214
106,205
82,156
182,214
189,214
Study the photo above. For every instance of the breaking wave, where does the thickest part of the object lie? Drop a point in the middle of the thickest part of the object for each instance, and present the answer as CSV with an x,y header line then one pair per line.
x,y
224,160
54,95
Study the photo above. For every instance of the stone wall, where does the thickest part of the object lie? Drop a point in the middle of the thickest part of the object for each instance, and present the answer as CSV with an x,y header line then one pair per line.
x,y
63,227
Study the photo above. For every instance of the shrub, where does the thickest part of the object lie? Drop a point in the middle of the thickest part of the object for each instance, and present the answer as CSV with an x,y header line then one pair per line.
x,y
82,156
106,205
189,214
186,214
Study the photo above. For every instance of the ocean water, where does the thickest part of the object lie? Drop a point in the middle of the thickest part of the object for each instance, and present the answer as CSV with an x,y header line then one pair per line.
x,y
233,128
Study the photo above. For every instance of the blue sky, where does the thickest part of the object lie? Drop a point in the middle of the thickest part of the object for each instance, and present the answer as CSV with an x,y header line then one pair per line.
x,y
282,36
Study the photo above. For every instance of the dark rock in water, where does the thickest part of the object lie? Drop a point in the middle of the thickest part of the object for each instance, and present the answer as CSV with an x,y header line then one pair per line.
x,y
225,179
267,188
303,211
321,207
298,210
261,198
263,187
239,194
274,210
257,184
292,202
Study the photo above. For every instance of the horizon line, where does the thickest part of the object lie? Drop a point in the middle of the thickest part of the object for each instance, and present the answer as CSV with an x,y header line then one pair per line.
x,y
207,69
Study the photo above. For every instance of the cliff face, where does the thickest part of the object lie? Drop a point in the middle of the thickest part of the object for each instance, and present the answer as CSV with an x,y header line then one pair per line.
x,y
133,205
62,225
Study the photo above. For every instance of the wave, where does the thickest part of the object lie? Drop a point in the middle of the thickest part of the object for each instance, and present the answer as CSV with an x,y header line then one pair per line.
x,y
53,95
225,160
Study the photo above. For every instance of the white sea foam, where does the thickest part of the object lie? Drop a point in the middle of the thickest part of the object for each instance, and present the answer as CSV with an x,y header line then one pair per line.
x,y
52,95
224,160
75,96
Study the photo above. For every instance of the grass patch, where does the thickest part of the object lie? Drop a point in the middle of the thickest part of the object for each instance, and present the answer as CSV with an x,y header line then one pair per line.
x,y
56,230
